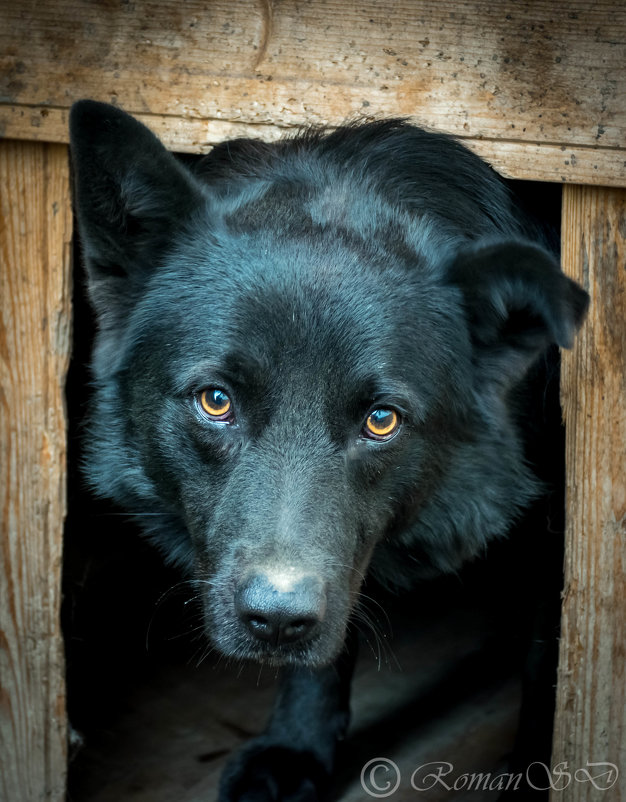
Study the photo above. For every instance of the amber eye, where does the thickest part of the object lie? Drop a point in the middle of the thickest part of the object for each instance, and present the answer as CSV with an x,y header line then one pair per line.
x,y
381,424
216,404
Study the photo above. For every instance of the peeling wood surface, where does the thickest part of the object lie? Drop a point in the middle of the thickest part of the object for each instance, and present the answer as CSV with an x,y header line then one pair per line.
x,y
591,698
35,237
538,88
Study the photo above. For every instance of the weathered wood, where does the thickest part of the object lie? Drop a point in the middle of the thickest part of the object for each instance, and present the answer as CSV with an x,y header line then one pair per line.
x,y
35,236
536,86
591,704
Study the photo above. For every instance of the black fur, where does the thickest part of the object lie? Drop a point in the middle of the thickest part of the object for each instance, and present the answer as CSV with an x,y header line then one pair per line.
x,y
312,280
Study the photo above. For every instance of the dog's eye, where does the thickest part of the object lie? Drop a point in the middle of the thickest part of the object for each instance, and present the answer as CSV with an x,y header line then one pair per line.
x,y
381,424
216,404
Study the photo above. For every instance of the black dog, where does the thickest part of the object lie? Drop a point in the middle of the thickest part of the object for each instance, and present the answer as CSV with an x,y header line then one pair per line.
x,y
308,365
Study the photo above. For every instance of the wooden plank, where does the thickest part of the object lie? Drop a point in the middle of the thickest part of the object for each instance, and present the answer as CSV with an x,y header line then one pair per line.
x,y
591,697
537,86
523,160
35,238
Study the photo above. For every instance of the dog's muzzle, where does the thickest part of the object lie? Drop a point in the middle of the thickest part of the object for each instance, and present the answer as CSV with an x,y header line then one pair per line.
x,y
281,607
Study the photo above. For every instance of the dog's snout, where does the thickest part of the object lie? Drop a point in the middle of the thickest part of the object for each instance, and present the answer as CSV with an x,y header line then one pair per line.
x,y
281,609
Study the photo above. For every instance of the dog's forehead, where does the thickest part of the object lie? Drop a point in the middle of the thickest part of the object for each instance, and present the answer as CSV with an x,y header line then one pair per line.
x,y
305,335
312,309
289,289
320,305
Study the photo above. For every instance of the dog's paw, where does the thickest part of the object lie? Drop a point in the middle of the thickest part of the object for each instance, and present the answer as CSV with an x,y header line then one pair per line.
x,y
268,772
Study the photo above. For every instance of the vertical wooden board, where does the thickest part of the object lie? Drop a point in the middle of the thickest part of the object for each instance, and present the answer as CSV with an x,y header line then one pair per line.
x,y
591,696
35,239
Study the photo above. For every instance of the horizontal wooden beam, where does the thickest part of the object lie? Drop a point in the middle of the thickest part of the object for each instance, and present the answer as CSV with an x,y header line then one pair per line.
x,y
538,87
512,159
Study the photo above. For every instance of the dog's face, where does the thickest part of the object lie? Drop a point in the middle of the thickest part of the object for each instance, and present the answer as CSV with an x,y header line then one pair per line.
x,y
273,407
294,379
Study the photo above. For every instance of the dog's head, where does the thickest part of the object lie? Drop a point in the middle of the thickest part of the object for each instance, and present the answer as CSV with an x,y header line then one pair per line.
x,y
304,363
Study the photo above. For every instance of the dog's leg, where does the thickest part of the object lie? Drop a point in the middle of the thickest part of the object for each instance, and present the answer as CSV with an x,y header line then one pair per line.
x,y
292,761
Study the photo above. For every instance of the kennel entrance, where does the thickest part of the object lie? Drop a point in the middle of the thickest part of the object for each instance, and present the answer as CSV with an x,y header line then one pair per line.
x,y
535,88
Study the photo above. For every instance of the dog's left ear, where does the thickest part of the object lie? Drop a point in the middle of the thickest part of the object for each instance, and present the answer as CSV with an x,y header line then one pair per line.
x,y
517,302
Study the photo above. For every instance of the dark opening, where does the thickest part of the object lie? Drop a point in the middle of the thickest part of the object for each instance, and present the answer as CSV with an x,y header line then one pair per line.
x,y
154,714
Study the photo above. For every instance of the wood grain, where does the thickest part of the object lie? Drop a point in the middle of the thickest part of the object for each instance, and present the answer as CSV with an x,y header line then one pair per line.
x,y
35,237
591,703
536,86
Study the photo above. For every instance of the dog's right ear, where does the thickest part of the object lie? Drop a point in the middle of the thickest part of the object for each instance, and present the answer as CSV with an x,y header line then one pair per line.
x,y
131,195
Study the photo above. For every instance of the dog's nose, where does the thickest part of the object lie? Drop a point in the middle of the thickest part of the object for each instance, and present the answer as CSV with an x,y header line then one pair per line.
x,y
281,608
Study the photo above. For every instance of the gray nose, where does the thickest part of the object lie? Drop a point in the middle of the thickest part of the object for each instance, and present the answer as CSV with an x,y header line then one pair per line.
x,y
279,612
